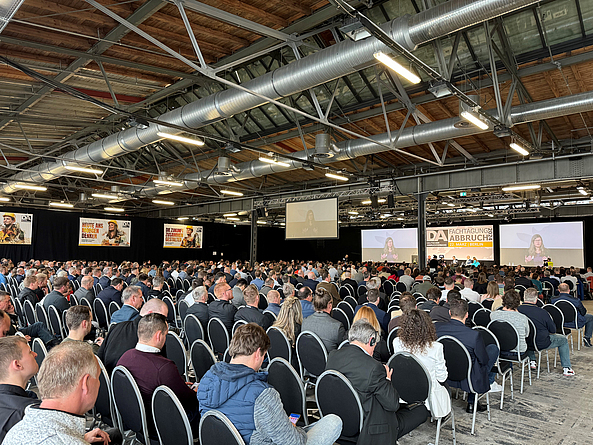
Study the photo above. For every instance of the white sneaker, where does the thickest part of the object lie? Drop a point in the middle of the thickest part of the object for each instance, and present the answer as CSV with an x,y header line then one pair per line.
x,y
533,364
568,372
495,387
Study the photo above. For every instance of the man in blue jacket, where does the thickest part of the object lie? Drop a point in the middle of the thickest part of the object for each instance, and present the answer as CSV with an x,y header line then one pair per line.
x,y
583,318
132,298
242,394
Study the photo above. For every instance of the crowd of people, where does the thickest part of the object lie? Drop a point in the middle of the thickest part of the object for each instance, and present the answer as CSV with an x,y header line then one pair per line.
x,y
298,297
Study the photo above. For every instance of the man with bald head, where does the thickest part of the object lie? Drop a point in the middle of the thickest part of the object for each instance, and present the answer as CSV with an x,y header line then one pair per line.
x,y
222,308
274,301
86,289
124,336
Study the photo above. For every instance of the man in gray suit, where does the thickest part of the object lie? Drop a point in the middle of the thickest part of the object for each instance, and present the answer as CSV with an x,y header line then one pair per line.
x,y
330,331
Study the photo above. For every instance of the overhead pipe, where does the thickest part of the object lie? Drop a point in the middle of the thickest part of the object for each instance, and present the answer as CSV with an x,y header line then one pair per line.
x,y
336,61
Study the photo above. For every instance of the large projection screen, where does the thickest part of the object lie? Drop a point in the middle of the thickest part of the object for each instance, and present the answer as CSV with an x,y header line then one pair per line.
x,y
461,242
391,245
312,219
532,244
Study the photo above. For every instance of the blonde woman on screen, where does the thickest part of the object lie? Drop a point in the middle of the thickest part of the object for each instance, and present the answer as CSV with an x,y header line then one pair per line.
x,y
389,250
537,253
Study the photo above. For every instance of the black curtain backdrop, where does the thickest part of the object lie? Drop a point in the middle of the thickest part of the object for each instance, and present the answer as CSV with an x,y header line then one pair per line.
x,y
55,237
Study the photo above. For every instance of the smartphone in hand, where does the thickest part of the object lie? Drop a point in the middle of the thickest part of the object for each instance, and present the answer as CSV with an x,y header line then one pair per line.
x,y
294,418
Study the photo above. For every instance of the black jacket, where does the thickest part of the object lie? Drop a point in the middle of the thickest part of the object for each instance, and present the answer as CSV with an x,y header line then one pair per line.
x,y
108,295
223,310
544,326
28,294
54,298
252,314
440,312
200,310
13,401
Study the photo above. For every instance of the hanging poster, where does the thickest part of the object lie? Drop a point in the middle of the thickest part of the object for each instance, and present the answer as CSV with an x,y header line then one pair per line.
x,y
16,228
104,232
182,236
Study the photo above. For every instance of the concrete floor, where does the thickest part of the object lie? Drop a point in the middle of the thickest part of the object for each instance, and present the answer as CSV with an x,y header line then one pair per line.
x,y
554,410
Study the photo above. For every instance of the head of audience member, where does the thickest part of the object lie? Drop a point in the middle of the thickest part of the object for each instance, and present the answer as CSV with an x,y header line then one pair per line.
x,y
17,361
108,271
458,309
132,296
269,282
79,321
511,300
117,283
143,278
530,295
61,285
200,294
241,283
154,305
87,282
30,282
453,295
563,288
158,282
249,346
373,296
251,295
468,284
363,334
220,278
41,280
492,289
288,290
439,281
374,283
322,301
68,379
290,315
152,330
305,293
408,271
434,294
223,291
6,303
311,275
274,297
366,313
324,274
449,283
407,302
4,324
417,331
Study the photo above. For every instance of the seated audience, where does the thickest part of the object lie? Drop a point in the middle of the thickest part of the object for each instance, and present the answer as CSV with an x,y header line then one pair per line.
x,y
468,291
441,312
28,293
274,302
384,420
241,393
433,296
584,319
329,330
406,303
199,308
79,322
86,289
144,284
105,280
417,335
238,299
449,286
132,302
57,296
157,288
492,294
112,292
372,297
306,297
326,284
222,308
381,352
509,313
250,313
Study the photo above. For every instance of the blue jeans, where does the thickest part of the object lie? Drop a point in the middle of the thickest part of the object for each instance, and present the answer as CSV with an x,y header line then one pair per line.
x,y
560,342
325,431
588,325
38,330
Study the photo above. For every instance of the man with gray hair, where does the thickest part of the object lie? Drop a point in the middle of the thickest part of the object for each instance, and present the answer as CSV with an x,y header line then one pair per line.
x,y
105,280
545,331
157,287
68,383
132,299
200,309
288,290
384,420
86,289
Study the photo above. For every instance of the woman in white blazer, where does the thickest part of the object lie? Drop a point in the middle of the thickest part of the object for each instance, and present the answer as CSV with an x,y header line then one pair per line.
x,y
417,336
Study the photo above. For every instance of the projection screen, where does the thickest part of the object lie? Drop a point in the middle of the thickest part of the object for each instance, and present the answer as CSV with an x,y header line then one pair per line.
x,y
312,219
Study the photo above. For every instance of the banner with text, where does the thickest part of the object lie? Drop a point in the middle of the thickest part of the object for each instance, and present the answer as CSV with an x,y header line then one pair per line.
x,y
17,228
461,242
104,232
182,236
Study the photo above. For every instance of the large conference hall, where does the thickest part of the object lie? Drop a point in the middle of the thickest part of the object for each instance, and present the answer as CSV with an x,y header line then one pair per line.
x,y
347,156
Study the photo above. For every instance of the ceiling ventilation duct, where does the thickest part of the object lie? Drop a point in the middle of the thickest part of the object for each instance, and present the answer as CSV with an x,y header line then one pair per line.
x,y
7,9
224,166
322,148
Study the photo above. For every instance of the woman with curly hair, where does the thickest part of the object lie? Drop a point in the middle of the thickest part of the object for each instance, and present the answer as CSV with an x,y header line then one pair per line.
x,y
381,353
417,336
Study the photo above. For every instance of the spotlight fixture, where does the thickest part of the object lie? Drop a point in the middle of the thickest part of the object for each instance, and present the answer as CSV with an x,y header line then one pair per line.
x,y
338,177
161,202
37,188
64,205
231,192
167,182
273,161
474,119
103,196
519,149
180,138
114,209
76,168
395,66
516,188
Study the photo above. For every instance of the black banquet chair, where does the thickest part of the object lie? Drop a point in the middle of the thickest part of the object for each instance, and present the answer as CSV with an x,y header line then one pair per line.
x,y
311,353
170,419
279,344
104,404
202,358
217,429
193,329
218,336
176,352
340,315
101,313
285,380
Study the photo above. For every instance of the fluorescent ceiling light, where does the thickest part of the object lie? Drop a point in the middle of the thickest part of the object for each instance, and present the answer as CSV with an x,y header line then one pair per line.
x,y
474,120
490,215
103,196
4,199
165,203
282,224
338,177
261,222
273,161
353,212
400,219
38,188
234,219
182,218
114,209
61,204
451,204
395,66
515,188
583,192
165,182
380,201
180,138
84,169
519,149
226,215
231,192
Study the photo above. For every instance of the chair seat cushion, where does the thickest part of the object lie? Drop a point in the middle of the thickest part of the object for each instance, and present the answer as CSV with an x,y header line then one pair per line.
x,y
508,355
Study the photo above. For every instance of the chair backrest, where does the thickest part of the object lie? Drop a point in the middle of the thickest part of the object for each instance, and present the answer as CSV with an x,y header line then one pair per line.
x,y
172,315
193,329
279,344
237,325
457,360
390,337
29,311
348,310
100,313
55,322
311,353
335,395
481,317
539,303
472,307
74,300
226,357
351,301
421,299
263,302
557,317
487,303
350,289
569,311
39,349
170,419
488,336
104,403
64,325
216,429
270,314
530,339
202,358
285,380
388,287
417,295
218,335
344,292
341,316
186,285
507,335
113,307
85,302
42,315
176,352
128,403
393,305
401,286
182,308
362,290
410,377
